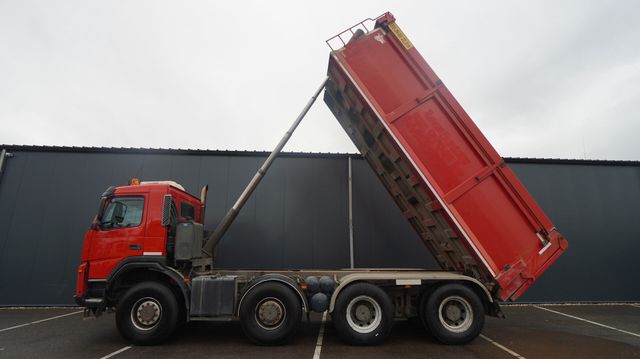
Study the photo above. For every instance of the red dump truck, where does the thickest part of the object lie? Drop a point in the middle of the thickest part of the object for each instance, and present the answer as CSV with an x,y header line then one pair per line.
x,y
148,256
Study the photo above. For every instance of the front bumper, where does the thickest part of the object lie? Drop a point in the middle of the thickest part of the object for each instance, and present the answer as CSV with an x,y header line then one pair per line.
x,y
94,296
89,302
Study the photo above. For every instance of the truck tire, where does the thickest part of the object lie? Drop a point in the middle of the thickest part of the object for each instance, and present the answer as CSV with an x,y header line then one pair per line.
x,y
453,313
147,314
270,314
363,314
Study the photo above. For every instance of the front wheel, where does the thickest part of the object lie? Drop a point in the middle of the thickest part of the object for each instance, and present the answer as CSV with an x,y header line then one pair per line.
x,y
147,314
453,314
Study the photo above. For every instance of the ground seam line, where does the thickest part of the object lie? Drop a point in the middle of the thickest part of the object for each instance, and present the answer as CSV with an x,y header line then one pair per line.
x,y
316,353
14,327
56,317
589,321
117,352
502,347
40,321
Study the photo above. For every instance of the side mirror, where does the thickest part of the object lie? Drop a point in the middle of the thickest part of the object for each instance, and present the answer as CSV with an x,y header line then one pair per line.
x,y
95,223
166,209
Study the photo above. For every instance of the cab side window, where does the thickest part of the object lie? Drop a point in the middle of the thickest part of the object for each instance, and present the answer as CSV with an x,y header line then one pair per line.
x,y
187,212
122,212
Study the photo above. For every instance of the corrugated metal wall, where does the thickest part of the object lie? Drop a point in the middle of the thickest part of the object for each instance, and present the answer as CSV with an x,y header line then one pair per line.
x,y
298,217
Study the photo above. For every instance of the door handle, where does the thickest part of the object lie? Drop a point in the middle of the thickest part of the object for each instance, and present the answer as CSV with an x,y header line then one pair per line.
x,y
134,247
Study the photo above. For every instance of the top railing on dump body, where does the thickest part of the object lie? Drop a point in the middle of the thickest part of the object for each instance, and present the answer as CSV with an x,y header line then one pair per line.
x,y
351,30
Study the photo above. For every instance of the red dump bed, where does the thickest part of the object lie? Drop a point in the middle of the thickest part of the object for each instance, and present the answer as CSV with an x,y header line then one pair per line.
x,y
469,208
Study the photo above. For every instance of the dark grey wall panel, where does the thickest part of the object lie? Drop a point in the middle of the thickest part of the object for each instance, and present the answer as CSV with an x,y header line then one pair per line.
x,y
298,217
382,236
597,208
329,201
42,243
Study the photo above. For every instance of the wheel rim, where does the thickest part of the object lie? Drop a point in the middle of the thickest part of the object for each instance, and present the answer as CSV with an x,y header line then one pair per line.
x,y
364,314
270,313
146,313
455,314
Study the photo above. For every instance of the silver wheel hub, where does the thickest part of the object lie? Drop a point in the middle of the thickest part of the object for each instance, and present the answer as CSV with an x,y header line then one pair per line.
x,y
364,314
455,314
270,313
146,313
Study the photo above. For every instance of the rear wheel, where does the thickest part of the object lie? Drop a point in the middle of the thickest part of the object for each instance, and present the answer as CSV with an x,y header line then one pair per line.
x,y
270,314
453,314
363,314
147,314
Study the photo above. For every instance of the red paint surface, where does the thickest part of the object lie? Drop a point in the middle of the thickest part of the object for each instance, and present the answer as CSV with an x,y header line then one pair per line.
x,y
104,249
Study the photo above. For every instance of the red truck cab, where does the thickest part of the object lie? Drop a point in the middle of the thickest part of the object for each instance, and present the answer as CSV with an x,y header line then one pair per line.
x,y
128,227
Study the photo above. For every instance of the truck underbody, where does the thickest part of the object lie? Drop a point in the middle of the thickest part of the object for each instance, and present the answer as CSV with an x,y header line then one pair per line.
x,y
223,294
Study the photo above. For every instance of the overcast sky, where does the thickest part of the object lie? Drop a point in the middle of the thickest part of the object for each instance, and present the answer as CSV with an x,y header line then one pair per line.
x,y
554,79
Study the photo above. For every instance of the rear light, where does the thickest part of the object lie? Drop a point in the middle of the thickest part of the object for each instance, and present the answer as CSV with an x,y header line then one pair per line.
x,y
81,284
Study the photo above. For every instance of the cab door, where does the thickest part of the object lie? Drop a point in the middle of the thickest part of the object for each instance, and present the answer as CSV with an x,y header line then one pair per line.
x,y
119,234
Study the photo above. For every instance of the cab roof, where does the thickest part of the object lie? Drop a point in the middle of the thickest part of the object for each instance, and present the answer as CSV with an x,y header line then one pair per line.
x,y
146,186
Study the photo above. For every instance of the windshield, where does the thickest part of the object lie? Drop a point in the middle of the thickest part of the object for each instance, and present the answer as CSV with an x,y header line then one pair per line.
x,y
122,212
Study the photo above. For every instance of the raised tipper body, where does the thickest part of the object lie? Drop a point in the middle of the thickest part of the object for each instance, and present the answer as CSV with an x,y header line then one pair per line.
x,y
469,208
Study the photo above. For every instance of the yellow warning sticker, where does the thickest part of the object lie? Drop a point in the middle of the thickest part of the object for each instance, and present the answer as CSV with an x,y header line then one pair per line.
x,y
400,35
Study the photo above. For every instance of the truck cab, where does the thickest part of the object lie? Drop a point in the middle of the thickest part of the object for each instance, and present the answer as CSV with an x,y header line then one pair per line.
x,y
129,229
